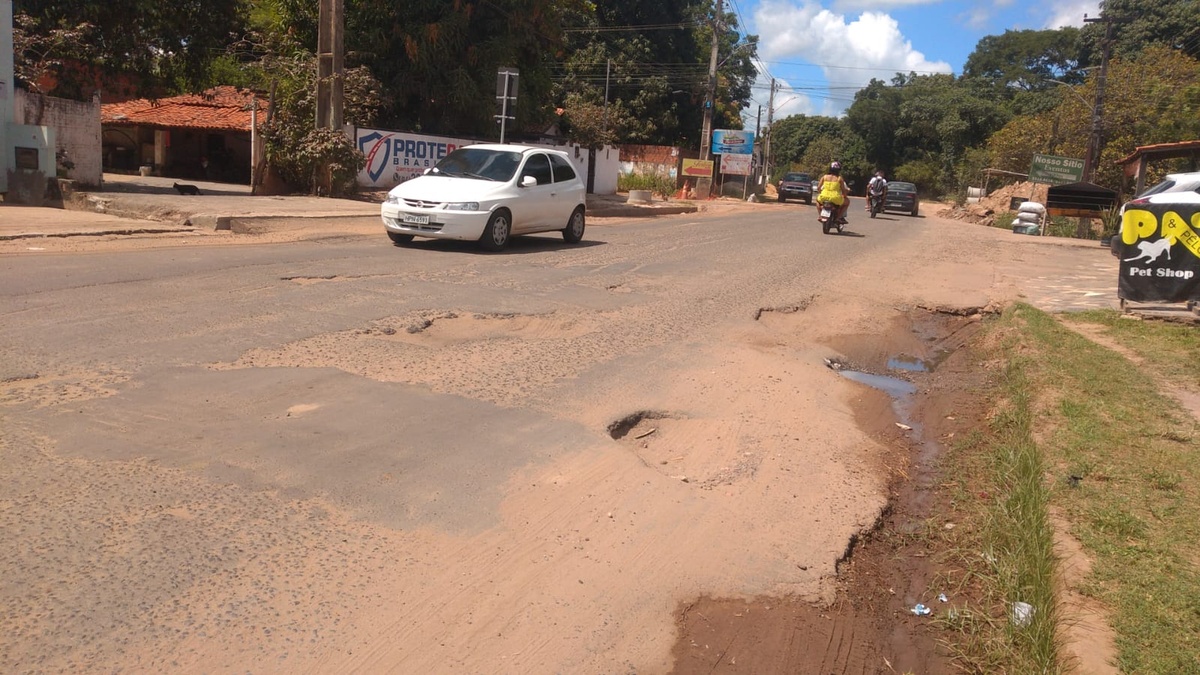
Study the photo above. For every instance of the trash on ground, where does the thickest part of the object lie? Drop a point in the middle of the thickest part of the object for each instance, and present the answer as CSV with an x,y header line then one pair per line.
x,y
904,426
942,598
921,610
1022,614
645,433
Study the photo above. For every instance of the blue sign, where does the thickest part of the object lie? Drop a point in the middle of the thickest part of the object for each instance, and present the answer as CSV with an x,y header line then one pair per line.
x,y
732,142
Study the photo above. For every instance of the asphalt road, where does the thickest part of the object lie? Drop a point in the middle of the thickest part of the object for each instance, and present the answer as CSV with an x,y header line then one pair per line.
x,y
193,434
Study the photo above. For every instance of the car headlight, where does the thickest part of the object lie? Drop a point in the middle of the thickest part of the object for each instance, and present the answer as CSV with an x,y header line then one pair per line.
x,y
391,199
462,206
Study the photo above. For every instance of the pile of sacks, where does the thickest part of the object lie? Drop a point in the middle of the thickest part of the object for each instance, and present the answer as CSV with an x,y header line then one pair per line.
x,y
1030,216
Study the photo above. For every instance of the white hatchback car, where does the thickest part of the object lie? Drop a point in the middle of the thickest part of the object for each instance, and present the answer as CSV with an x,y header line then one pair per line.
x,y
489,193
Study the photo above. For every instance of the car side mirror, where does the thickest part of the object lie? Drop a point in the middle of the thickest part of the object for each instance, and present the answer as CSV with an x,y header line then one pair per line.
x,y
528,181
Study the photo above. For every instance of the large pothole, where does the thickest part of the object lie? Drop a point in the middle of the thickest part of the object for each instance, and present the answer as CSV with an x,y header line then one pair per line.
x,y
703,452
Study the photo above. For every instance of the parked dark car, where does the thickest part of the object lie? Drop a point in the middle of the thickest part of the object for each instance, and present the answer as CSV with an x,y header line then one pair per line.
x,y
796,186
902,197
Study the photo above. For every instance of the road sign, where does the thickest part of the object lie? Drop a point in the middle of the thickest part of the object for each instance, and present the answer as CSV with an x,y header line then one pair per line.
x,y
732,142
736,165
698,167
1055,170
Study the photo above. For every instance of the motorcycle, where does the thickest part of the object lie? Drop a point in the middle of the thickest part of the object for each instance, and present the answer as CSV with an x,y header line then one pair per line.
x,y
826,218
875,202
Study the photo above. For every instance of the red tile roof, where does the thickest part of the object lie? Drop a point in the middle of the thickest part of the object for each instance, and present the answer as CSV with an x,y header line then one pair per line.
x,y
221,108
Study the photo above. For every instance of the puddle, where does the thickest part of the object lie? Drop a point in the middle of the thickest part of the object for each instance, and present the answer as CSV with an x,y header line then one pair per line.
x,y
908,363
892,386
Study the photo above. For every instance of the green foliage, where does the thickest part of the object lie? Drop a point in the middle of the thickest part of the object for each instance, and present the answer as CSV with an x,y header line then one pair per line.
x,y
1026,59
924,173
146,46
1173,24
657,183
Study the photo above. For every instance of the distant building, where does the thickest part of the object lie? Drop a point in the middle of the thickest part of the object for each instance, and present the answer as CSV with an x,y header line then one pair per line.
x,y
195,136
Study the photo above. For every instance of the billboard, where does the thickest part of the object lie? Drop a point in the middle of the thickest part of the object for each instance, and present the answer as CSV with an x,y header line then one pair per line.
x,y
732,142
1055,170
737,165
1159,249
394,157
698,167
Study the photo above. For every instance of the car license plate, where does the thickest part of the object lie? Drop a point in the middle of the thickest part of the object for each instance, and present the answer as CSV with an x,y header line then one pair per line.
x,y
414,219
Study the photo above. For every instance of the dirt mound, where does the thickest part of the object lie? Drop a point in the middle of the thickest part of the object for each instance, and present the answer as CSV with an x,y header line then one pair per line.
x,y
999,201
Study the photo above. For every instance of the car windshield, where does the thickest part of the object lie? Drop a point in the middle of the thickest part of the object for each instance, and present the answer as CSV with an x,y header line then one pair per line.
x,y
797,177
481,164
901,187
1164,186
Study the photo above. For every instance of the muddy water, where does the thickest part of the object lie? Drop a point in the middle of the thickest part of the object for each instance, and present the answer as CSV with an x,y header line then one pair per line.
x,y
911,377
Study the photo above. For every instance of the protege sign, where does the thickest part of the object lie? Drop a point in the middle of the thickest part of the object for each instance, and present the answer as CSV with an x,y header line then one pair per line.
x,y
394,157
1159,250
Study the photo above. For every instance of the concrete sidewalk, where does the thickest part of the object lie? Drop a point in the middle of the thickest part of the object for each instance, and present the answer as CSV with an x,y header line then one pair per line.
x,y
148,205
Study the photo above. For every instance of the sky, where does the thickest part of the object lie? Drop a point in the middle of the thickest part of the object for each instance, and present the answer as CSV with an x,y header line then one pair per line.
x,y
822,51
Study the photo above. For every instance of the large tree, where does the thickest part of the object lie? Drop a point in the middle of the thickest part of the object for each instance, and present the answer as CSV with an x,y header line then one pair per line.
x,y
144,47
650,59
1026,59
1139,24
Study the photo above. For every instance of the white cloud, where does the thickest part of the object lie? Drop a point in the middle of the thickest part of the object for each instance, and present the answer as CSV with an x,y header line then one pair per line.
x,y
881,4
1071,13
849,52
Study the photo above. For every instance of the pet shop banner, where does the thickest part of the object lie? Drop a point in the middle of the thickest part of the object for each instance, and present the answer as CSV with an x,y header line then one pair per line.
x,y
394,157
1159,249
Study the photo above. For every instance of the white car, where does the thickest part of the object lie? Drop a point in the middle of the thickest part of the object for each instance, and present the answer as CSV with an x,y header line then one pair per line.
x,y
1175,188
489,193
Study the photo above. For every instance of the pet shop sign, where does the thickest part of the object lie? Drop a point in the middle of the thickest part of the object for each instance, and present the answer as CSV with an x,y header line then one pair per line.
x,y
394,157
1160,253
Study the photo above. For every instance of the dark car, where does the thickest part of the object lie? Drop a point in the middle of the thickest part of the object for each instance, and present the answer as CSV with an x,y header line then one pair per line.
x,y
902,197
796,186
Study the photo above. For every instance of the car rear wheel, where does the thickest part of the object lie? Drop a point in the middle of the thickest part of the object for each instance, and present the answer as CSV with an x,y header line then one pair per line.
x,y
400,239
573,232
808,201
782,198
914,213
497,232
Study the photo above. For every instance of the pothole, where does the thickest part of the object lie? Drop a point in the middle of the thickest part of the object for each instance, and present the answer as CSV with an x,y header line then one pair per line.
x,y
452,327
702,452
784,309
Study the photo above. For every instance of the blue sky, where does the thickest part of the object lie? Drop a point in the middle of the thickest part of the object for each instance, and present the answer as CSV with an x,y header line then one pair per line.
x,y
822,51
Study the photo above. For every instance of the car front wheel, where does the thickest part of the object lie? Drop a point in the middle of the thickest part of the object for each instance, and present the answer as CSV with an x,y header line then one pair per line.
x,y
573,232
497,231
400,239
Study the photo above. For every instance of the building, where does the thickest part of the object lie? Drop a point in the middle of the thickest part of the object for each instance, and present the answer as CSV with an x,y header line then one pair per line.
x,y
195,136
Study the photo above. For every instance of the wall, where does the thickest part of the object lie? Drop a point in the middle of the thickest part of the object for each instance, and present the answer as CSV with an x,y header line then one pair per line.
x,y
608,167
76,127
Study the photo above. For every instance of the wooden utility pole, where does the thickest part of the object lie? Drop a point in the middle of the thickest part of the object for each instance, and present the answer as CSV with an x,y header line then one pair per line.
x,y
330,74
767,142
704,185
1095,139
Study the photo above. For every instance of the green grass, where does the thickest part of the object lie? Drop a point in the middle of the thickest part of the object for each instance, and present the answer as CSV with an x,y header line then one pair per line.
x,y
1169,348
1135,508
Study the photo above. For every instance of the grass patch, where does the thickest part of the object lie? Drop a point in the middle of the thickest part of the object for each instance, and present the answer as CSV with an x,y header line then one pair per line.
x,y
1063,407
1169,348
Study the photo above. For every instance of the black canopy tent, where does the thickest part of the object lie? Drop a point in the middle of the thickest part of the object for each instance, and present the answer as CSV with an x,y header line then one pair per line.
x,y
1084,200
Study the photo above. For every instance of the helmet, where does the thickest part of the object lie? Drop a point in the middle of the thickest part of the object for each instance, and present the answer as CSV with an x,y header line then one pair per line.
x,y
836,166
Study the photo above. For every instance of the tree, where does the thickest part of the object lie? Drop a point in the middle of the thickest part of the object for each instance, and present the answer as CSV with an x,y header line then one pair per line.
x,y
1026,59
792,136
145,46
873,116
1168,23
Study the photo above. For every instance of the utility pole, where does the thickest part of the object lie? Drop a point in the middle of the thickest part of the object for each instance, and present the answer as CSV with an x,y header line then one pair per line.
x,y
710,100
330,65
758,139
1094,140
767,141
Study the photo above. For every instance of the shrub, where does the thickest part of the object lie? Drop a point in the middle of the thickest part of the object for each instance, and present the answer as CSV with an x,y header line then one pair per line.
x,y
656,183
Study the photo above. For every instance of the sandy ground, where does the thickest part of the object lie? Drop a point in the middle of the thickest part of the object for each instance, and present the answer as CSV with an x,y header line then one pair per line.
x,y
626,460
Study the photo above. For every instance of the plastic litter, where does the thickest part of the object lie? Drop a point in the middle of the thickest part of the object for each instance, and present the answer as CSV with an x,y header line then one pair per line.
x,y
942,598
1022,614
921,610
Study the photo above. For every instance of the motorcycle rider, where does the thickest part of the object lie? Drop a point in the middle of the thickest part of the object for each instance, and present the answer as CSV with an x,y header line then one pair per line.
x,y
876,188
834,191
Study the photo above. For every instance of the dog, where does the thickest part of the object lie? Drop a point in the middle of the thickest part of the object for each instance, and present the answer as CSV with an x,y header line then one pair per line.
x,y
185,189
1150,250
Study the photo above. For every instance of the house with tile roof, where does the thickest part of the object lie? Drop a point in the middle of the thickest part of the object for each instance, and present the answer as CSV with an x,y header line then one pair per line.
x,y
204,136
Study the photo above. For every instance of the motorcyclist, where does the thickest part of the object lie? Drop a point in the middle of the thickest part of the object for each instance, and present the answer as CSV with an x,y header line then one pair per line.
x,y
834,190
876,188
